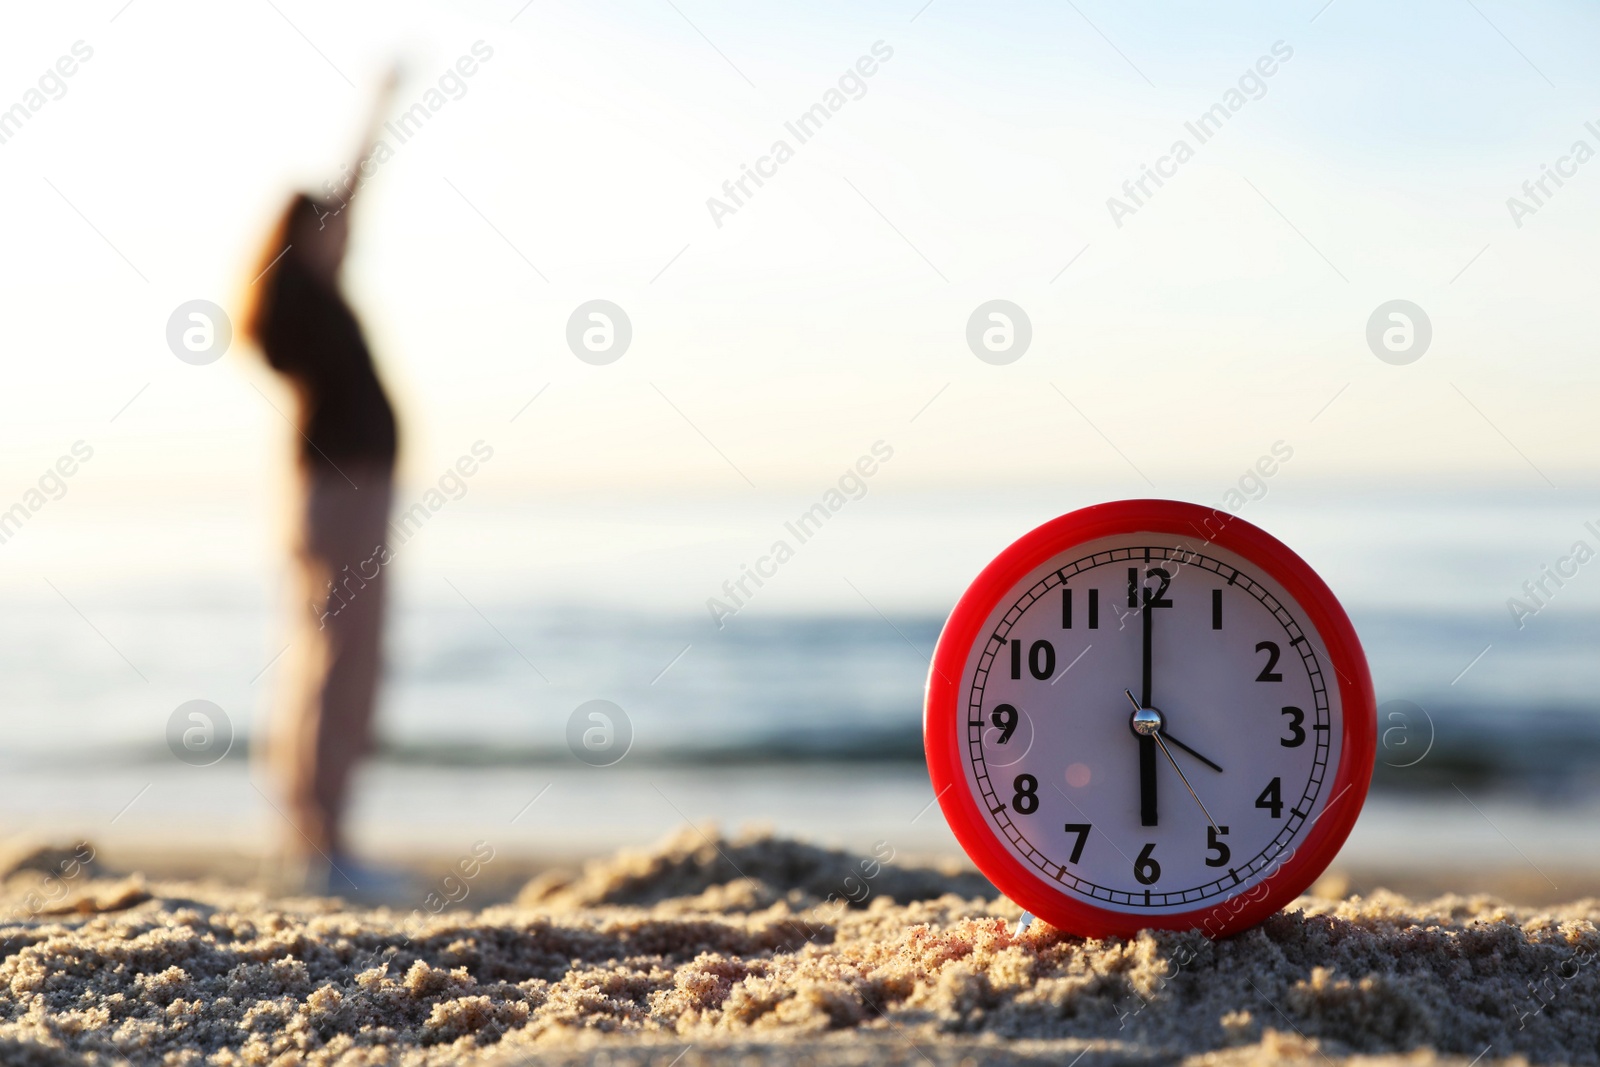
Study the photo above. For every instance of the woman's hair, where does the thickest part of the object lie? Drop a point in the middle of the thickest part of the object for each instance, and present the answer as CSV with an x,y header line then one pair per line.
x,y
276,254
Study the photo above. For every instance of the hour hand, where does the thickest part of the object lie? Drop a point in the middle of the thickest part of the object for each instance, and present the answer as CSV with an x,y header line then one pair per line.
x,y
1168,735
1161,724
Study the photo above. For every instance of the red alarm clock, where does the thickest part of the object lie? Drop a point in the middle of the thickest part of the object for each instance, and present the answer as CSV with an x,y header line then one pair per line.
x,y
1149,713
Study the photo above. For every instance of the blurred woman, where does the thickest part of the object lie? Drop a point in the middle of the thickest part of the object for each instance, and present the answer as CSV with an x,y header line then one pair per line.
x,y
345,452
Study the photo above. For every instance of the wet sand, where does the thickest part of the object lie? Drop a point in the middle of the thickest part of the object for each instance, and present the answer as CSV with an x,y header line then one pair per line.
x,y
712,950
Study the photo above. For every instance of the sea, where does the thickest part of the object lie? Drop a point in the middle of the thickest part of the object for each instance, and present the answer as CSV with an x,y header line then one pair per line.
x,y
800,712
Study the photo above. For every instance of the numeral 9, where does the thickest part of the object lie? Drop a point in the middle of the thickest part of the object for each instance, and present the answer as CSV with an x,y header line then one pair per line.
x,y
1005,719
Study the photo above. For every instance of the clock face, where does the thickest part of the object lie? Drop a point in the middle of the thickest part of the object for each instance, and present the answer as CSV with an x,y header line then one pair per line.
x,y
1149,726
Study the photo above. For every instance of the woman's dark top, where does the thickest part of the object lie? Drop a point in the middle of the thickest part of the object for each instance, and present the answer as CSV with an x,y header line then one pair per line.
x,y
309,334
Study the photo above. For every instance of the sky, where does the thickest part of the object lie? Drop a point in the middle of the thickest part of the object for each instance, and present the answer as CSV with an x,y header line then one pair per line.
x,y
1172,345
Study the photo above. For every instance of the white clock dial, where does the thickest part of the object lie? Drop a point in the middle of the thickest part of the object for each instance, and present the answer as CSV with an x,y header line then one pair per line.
x,y
1237,680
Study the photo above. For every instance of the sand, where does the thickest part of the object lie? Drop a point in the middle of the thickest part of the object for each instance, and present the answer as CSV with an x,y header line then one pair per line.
x,y
728,951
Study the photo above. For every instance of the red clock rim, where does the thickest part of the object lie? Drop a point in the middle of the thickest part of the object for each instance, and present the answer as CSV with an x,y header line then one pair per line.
x,y
1208,526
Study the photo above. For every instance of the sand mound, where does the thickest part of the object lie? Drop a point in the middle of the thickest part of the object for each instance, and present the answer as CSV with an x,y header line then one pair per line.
x,y
695,869
188,974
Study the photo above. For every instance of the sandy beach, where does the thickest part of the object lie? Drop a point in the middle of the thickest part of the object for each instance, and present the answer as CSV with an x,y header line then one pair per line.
x,y
576,533
757,949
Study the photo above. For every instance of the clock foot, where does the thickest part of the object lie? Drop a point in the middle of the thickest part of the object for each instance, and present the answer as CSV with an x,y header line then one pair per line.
x,y
1023,923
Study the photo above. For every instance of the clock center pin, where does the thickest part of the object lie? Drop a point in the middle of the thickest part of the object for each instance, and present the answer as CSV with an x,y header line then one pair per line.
x,y
1147,722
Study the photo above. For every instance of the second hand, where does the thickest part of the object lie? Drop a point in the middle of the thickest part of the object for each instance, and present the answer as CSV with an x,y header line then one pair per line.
x,y
1155,733
1186,784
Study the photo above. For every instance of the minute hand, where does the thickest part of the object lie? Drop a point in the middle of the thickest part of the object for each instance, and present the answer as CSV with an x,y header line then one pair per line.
x,y
1147,618
1148,811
